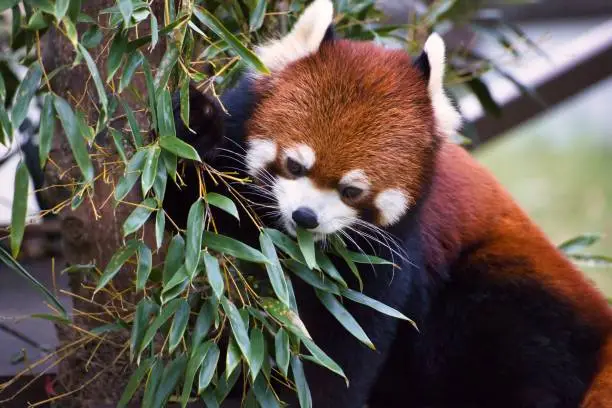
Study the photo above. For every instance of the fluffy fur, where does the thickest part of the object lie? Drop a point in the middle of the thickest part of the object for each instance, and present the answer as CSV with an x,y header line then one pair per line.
x,y
505,320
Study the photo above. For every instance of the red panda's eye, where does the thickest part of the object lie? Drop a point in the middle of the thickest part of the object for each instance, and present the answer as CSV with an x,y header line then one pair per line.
x,y
295,168
350,193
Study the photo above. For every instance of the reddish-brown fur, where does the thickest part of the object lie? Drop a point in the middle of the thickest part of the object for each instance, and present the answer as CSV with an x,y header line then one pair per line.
x,y
467,207
384,125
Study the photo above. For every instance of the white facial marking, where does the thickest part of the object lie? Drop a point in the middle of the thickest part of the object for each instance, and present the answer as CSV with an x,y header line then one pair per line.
x,y
356,178
304,39
332,213
260,153
447,118
392,204
302,154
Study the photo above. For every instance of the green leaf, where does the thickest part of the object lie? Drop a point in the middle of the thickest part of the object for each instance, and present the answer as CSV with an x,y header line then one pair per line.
x,y
138,142
75,139
149,171
195,362
165,115
179,324
37,22
256,352
232,247
71,31
92,37
159,321
160,225
323,359
282,352
174,257
24,94
52,318
264,394
114,265
579,243
213,272
126,8
481,91
144,309
9,261
150,93
157,372
19,207
274,269
170,162
159,185
247,56
133,62
118,141
7,4
184,99
139,216
592,260
232,358
145,262
203,323
239,330
172,373
154,32
165,67
95,75
178,147
358,257
374,304
344,317
47,129
257,14
134,382
300,383
311,277
341,250
329,268
224,203
132,173
287,317
226,384
115,55
286,244
193,243
61,7
209,367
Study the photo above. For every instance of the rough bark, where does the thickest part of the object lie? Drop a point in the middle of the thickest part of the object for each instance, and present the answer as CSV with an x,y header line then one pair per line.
x,y
95,370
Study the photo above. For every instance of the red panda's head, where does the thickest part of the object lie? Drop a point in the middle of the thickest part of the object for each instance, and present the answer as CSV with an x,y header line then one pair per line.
x,y
345,131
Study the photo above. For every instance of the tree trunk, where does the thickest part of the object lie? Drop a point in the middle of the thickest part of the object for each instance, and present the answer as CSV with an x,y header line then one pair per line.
x,y
93,370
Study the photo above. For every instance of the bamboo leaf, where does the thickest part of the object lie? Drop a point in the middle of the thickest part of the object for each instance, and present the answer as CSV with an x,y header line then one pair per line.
x,y
232,247
134,382
257,14
307,246
132,173
344,317
232,358
133,62
144,309
19,207
287,317
118,141
24,93
209,366
115,55
179,324
300,383
138,142
150,93
580,243
311,277
114,265
75,139
323,359
193,243
239,330
95,75
145,262
9,261
256,352
178,147
282,352
264,394
157,372
213,272
160,225
61,7
139,216
149,171
172,373
329,268
224,203
286,244
165,67
195,362
205,319
47,129
92,37
159,321
247,56
174,257
274,269
126,8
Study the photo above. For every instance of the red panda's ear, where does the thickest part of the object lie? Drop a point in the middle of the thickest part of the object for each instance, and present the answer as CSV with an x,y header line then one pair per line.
x,y
432,63
305,38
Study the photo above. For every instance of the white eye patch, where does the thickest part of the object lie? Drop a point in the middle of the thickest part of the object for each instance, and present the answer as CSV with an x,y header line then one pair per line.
x,y
302,154
260,153
332,213
392,204
356,178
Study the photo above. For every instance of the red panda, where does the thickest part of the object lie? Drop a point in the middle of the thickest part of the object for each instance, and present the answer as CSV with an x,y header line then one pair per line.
x,y
350,138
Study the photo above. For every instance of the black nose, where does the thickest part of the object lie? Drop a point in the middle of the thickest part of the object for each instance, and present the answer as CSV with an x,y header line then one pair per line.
x,y
306,218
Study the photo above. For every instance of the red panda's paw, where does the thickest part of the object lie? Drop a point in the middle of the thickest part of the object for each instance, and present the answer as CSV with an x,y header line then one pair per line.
x,y
205,129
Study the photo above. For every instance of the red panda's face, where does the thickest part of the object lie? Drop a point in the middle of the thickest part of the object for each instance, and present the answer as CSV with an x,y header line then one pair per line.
x,y
344,133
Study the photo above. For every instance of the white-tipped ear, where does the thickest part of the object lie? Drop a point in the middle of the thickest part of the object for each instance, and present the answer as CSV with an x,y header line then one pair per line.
x,y
448,120
303,40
